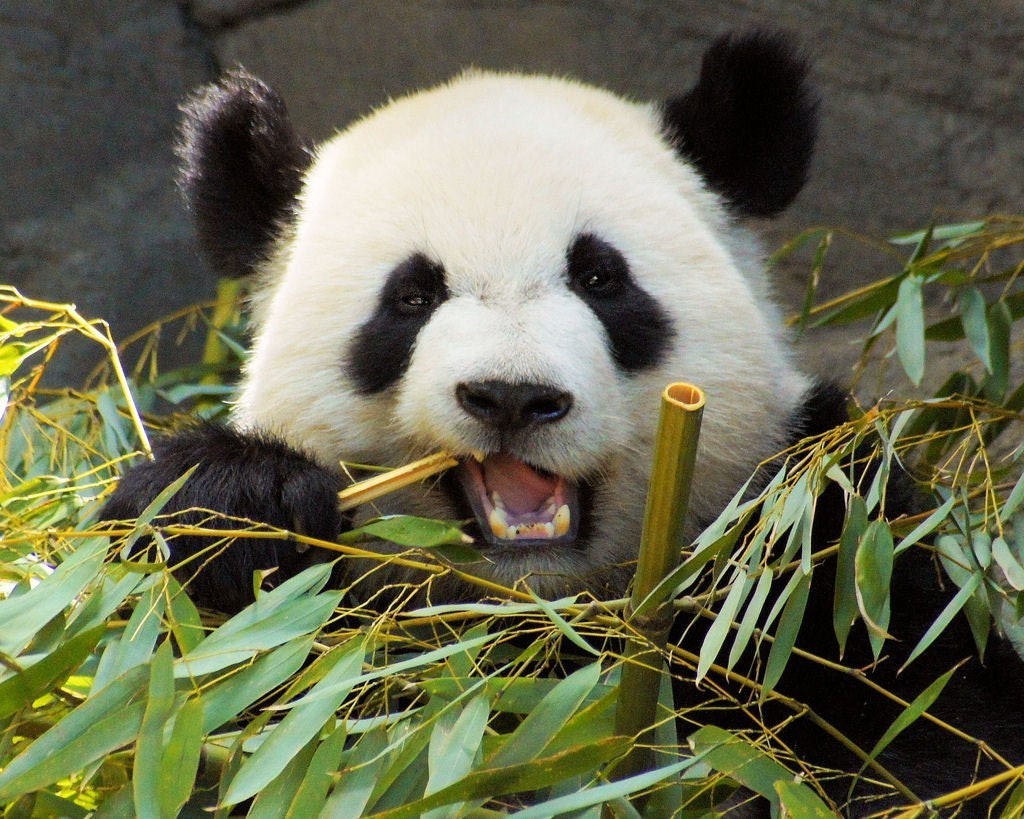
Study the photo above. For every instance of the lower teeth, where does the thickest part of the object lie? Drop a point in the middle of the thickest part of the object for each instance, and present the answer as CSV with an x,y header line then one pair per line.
x,y
558,526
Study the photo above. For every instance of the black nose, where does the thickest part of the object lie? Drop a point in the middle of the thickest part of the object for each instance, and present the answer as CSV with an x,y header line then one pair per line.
x,y
513,406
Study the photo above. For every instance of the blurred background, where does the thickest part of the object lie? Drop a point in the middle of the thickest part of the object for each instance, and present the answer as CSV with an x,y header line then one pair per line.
x,y
922,116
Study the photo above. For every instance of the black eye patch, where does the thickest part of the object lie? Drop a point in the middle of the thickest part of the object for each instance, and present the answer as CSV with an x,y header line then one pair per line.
x,y
380,351
638,328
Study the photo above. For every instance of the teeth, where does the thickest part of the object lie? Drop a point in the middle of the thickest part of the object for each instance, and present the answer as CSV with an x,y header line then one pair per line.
x,y
561,520
498,521
557,526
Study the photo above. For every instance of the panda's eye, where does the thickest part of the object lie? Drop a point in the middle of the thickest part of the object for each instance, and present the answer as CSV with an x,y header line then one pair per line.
x,y
596,281
417,301
596,268
416,287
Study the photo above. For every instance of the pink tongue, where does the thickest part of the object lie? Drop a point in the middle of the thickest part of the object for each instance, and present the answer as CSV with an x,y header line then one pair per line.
x,y
522,488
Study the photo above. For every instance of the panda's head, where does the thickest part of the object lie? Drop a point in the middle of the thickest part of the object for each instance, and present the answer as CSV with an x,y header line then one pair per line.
x,y
516,265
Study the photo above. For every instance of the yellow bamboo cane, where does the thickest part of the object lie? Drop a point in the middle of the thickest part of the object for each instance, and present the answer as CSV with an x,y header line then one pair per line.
x,y
675,453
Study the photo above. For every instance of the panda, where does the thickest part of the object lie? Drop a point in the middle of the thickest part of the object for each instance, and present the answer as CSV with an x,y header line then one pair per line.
x,y
516,265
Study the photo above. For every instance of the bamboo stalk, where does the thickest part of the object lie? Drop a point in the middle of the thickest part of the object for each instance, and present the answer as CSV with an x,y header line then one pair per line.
x,y
668,495
394,479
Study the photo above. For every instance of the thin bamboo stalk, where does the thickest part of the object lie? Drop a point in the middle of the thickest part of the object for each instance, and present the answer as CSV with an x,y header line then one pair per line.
x,y
675,453
394,479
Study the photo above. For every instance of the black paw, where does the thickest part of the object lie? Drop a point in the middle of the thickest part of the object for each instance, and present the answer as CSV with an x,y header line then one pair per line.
x,y
241,475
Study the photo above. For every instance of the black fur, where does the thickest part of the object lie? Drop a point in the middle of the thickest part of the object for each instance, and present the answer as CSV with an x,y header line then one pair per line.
x,y
984,700
379,354
242,169
243,475
750,122
638,329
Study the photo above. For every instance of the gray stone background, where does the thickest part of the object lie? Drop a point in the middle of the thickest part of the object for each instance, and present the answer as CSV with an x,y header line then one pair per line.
x,y
922,114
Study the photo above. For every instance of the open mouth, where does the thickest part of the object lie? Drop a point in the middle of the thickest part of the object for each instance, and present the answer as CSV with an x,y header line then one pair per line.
x,y
518,504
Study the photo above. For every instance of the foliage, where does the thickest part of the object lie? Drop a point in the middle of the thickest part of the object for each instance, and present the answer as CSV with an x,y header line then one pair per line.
x,y
117,696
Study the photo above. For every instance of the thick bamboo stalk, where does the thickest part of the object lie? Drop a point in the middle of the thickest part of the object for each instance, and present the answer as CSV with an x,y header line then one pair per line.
x,y
675,453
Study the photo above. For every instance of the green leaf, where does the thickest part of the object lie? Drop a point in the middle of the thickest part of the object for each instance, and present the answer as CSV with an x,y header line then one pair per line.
x,y
304,721
786,633
25,686
107,721
231,695
721,625
358,778
149,744
320,773
927,526
571,803
844,605
921,703
800,802
26,615
454,746
736,758
181,758
274,798
975,323
407,530
1000,323
275,617
517,777
874,564
910,344
543,722
751,616
1013,571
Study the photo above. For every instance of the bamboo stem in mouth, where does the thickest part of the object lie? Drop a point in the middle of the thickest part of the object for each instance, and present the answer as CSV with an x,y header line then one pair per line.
x,y
394,479
675,454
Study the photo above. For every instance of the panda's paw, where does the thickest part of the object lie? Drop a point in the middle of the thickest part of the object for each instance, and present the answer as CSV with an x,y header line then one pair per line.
x,y
239,477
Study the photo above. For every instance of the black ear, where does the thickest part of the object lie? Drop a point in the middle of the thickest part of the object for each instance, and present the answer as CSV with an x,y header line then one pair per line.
x,y
242,169
749,123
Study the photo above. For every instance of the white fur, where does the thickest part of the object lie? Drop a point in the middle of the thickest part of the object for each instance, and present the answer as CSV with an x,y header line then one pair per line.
x,y
493,176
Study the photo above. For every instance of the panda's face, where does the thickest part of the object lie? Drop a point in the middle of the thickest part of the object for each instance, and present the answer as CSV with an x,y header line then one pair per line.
x,y
516,267
513,268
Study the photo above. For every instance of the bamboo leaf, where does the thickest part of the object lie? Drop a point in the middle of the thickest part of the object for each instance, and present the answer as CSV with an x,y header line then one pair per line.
x,y
956,603
736,758
25,615
543,722
910,328
227,698
1000,323
751,616
786,633
303,722
181,758
1013,571
921,703
407,530
23,687
105,722
602,794
721,625
800,802
149,745
927,526
494,781
975,324
321,771
358,778
874,564
844,605
454,746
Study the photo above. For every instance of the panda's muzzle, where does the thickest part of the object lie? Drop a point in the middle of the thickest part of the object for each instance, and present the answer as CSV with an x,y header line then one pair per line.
x,y
513,501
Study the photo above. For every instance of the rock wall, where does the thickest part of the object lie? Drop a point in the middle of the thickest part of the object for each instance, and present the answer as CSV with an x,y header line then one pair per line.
x,y
922,114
